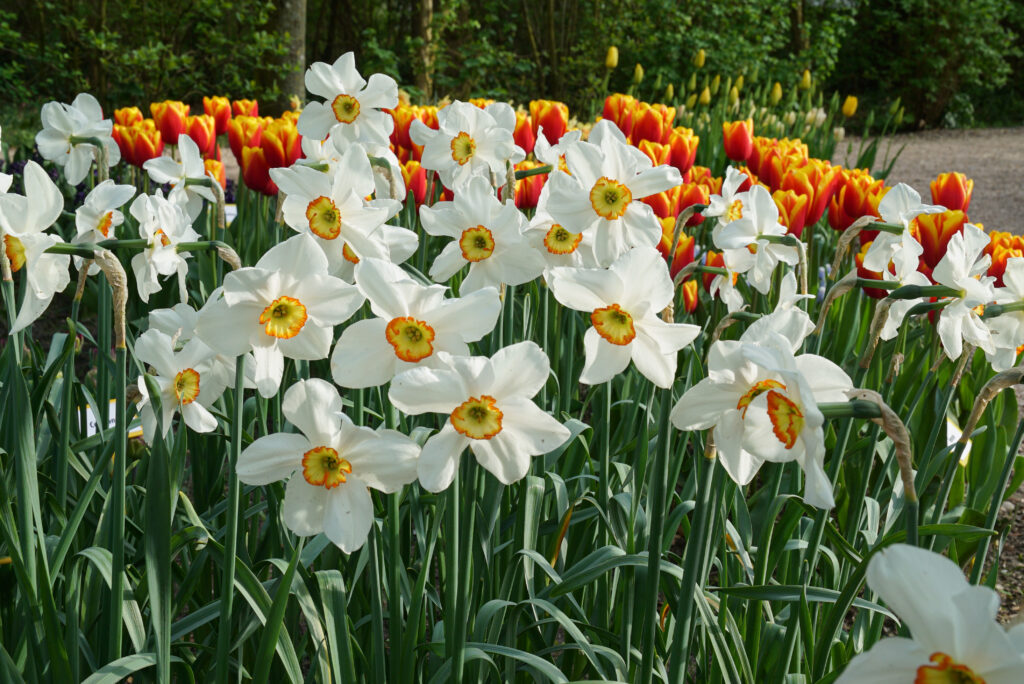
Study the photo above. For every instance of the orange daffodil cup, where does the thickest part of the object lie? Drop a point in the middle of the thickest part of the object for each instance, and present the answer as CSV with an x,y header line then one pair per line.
x,y
489,406
330,464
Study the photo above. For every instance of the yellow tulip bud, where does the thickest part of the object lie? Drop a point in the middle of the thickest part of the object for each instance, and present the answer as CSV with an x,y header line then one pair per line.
x,y
638,74
692,85
734,95
691,101
699,58
776,95
894,106
805,80
670,93
705,97
898,119
739,82
849,106
611,60
716,83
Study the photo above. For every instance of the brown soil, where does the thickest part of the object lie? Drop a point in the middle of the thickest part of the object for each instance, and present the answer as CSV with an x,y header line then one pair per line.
x,y
993,157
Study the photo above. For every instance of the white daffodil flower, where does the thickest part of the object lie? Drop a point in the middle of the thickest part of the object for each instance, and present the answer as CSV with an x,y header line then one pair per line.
x,y
905,260
23,220
728,206
489,407
724,287
556,244
468,142
190,380
955,635
353,106
413,323
383,187
163,224
555,154
329,465
165,169
762,402
601,197
285,306
179,323
98,216
332,209
1008,328
899,207
488,236
961,269
756,219
83,118
624,302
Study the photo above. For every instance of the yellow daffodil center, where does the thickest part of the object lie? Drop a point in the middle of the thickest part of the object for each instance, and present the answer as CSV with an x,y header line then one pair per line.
x,y
15,252
946,671
477,418
164,240
104,224
735,211
463,148
346,108
477,243
787,418
322,467
349,255
411,339
610,198
324,218
186,386
561,241
284,317
756,390
613,324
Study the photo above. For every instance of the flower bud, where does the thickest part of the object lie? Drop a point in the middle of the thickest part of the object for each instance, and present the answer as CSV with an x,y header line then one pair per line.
x,y
849,106
716,83
638,74
611,59
691,85
220,109
739,82
734,95
894,107
245,108
699,58
670,93
691,101
776,95
952,190
738,139
705,96
805,80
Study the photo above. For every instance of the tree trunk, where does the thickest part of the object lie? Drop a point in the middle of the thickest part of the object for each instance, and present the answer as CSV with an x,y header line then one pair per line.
x,y
291,22
425,32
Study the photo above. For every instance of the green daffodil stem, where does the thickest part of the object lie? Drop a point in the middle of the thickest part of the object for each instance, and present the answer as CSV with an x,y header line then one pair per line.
x,y
857,408
692,563
471,473
117,504
526,173
993,310
656,508
996,502
231,529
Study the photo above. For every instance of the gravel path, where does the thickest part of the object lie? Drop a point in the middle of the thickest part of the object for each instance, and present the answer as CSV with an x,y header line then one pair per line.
x,y
993,157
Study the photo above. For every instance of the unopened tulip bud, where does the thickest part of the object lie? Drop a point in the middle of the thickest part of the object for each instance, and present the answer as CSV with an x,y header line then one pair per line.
x,y
789,118
705,96
670,93
611,59
691,101
805,80
739,82
657,82
691,86
699,58
894,107
849,106
716,83
638,74
839,133
898,119
734,95
776,94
